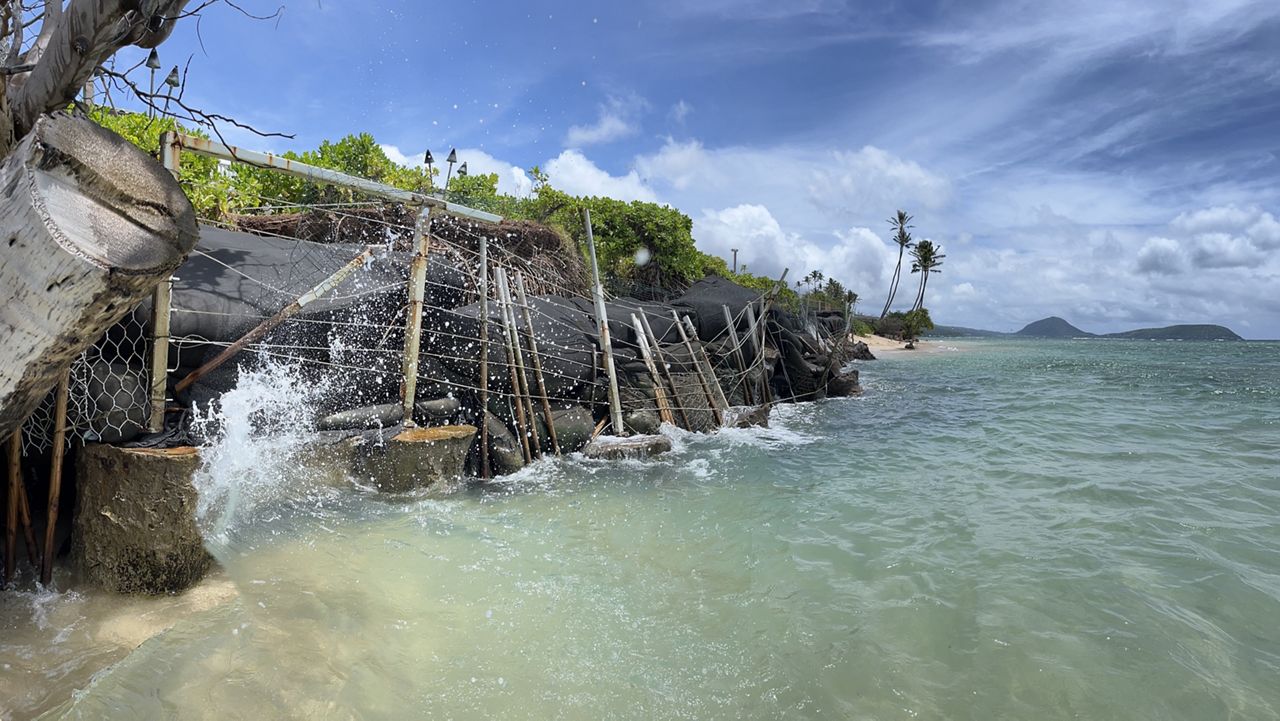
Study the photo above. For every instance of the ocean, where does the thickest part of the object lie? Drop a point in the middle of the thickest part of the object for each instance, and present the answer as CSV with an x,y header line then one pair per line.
x,y
995,530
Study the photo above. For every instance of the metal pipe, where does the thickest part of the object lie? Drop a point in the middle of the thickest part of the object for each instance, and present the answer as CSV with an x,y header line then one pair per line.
x,y
213,149
413,324
537,363
281,316
602,322
161,304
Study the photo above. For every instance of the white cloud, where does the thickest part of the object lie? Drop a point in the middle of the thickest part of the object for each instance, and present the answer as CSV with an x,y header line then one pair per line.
x,y
680,111
858,257
512,180
618,118
1223,250
1219,218
574,173
1161,255
812,189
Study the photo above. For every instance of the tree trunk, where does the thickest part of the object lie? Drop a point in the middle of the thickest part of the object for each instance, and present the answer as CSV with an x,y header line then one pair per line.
x,y
88,225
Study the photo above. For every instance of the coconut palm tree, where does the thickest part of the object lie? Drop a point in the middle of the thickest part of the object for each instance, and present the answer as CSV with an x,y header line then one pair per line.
x,y
900,223
925,260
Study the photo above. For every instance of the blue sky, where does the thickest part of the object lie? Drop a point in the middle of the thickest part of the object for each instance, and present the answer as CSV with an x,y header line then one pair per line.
x,y
1113,163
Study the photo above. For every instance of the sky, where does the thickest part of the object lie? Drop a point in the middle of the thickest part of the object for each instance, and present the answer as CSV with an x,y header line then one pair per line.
x,y
1114,163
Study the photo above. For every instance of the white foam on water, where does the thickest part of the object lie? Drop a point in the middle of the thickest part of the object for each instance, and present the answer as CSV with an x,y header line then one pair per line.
x,y
256,437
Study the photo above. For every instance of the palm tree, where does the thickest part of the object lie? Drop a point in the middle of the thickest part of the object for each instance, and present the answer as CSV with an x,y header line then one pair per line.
x,y
900,224
925,260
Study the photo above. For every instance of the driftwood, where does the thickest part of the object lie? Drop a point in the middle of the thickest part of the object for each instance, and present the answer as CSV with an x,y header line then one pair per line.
x,y
88,225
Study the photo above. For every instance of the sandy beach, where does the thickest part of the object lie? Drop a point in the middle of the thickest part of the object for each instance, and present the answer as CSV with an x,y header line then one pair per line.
x,y
880,345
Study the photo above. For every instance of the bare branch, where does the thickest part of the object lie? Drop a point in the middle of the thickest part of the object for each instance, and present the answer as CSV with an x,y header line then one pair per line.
x,y
196,115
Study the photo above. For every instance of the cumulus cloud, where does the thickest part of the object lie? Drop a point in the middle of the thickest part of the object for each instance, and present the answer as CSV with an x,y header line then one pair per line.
x,y
574,173
618,118
1161,255
857,257
1223,250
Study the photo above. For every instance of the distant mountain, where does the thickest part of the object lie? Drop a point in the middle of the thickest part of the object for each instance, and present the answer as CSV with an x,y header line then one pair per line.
x,y
955,331
1179,332
1055,327
1052,327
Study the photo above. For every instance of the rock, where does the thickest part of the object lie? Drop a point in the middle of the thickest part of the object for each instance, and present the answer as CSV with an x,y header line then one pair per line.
x,y
845,384
749,417
642,422
860,351
135,520
574,426
118,399
416,458
441,410
379,416
505,454
615,448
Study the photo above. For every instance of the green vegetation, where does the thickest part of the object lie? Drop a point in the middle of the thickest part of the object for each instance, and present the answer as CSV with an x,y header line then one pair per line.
x,y
925,260
647,243
900,223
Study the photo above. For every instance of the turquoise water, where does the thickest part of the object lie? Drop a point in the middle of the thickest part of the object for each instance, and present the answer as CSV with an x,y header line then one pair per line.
x,y
1017,530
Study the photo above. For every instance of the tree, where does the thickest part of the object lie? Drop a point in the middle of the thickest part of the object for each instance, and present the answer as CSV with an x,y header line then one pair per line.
x,y
925,260
64,281
901,223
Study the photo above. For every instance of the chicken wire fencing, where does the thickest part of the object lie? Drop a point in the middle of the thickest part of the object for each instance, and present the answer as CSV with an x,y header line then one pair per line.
x,y
107,392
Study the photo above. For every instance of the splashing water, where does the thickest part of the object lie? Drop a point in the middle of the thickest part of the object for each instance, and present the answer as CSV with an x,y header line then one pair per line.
x,y
257,436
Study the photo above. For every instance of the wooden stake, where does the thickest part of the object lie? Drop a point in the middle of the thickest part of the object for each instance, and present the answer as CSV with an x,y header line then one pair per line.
x,y
28,535
737,353
292,309
413,324
537,363
659,395
702,379
515,379
504,287
11,515
55,478
706,363
602,323
662,363
485,471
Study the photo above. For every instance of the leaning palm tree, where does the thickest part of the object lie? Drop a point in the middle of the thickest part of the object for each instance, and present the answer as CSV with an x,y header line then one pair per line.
x,y
925,260
900,224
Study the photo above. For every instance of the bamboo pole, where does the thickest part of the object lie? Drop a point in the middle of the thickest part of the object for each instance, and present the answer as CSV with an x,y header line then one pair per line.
x,y
515,379
537,363
706,362
662,363
28,535
281,316
602,322
485,471
413,325
55,478
513,329
737,353
659,395
11,511
702,379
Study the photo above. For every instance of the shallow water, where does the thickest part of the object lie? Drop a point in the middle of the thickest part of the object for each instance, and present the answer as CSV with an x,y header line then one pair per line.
x,y
1019,530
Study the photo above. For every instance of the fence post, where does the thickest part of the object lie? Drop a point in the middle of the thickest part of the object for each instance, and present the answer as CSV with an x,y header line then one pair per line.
x,y
602,322
413,325
161,303
484,357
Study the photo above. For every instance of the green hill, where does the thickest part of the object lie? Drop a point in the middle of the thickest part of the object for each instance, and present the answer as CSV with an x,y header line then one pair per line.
x,y
1179,332
1052,327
